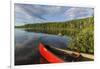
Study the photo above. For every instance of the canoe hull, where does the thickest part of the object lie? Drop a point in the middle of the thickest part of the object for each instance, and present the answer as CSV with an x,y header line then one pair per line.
x,y
49,56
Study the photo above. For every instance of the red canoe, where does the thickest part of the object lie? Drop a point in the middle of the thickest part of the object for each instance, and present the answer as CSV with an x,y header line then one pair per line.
x,y
49,56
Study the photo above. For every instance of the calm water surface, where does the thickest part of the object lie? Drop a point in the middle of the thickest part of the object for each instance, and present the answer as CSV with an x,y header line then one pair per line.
x,y
26,46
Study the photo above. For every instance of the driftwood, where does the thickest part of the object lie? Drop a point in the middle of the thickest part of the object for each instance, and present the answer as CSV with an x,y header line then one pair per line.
x,y
71,55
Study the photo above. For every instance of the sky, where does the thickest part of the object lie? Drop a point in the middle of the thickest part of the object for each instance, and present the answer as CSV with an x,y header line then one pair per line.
x,y
33,13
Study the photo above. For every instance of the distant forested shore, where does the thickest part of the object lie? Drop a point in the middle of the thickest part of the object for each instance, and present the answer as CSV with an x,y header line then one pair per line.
x,y
81,32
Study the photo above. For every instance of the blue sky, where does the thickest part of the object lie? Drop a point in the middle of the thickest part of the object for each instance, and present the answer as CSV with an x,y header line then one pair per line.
x,y
32,13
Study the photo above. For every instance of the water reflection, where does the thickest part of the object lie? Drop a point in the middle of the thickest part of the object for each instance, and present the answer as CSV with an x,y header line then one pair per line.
x,y
26,46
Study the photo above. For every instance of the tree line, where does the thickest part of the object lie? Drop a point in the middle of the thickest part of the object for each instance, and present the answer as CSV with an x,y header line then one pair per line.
x,y
81,32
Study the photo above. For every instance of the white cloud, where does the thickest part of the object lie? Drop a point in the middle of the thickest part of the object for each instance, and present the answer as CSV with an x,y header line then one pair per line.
x,y
41,13
74,13
21,15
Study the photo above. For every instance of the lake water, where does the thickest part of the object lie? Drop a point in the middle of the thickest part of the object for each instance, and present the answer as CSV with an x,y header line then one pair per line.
x,y
26,46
